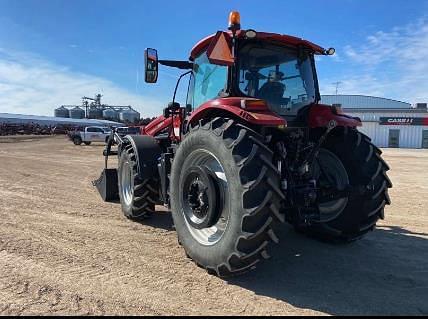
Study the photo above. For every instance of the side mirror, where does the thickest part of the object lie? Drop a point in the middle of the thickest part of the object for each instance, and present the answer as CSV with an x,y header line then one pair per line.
x,y
151,65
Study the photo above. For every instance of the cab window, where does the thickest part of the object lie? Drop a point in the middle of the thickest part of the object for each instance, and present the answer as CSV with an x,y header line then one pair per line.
x,y
208,81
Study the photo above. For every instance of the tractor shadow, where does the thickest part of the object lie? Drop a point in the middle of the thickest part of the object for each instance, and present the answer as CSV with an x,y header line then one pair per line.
x,y
384,273
161,219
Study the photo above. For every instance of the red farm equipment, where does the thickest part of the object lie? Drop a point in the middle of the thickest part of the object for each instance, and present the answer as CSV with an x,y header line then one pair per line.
x,y
251,149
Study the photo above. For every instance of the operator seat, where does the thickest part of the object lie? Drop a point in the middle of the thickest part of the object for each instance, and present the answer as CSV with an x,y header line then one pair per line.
x,y
272,93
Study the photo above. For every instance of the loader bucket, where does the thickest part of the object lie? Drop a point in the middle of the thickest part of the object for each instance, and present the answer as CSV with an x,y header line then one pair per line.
x,y
107,185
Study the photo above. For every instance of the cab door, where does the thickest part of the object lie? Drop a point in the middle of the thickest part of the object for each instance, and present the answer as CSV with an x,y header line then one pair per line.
x,y
208,81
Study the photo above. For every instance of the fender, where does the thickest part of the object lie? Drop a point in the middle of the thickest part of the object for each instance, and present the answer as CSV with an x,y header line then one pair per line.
x,y
147,152
320,115
253,111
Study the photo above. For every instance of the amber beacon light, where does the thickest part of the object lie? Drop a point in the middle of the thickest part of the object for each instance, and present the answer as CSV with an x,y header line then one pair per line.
x,y
234,21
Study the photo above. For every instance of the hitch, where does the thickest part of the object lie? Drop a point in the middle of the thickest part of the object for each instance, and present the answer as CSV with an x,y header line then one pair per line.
x,y
307,164
314,153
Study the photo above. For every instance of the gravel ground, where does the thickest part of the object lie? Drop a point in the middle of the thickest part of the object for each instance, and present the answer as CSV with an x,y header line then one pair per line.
x,y
64,251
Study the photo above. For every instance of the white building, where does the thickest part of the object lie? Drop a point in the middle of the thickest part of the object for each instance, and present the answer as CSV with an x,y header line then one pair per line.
x,y
7,118
389,123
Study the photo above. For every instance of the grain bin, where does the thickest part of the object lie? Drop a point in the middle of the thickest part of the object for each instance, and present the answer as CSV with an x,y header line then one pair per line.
x,y
95,113
77,113
61,112
130,116
110,114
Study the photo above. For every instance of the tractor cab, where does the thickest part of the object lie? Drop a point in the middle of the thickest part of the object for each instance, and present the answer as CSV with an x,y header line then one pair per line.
x,y
279,70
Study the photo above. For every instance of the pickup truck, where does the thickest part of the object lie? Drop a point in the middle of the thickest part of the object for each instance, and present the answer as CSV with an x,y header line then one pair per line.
x,y
90,134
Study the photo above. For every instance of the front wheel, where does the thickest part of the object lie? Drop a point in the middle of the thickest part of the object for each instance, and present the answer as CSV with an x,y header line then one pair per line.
x,y
225,197
77,140
137,196
349,160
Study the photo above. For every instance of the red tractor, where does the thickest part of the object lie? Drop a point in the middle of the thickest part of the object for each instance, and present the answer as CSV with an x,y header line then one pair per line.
x,y
251,149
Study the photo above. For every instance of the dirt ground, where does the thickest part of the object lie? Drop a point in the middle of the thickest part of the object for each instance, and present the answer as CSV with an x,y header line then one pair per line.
x,y
64,251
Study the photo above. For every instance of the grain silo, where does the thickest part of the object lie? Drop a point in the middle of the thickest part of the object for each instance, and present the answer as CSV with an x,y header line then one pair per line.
x,y
129,116
77,113
62,112
110,114
95,113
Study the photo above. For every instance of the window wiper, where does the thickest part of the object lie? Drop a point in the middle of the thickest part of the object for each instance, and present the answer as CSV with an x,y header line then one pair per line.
x,y
208,75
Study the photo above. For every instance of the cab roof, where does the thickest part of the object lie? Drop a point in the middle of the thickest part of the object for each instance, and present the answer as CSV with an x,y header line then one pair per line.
x,y
274,37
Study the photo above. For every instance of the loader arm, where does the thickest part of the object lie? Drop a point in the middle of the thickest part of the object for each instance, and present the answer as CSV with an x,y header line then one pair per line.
x,y
157,125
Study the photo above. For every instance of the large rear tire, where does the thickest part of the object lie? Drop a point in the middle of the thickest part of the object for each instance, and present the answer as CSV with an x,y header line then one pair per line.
x,y
137,196
234,221
364,167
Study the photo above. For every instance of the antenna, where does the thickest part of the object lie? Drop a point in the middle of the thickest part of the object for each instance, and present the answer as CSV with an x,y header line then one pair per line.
x,y
337,85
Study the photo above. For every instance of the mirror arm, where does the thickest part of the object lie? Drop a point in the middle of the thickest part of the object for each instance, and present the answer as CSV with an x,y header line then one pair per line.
x,y
184,65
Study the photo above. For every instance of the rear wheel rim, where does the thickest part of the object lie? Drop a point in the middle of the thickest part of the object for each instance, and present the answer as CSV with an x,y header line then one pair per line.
x,y
330,172
214,233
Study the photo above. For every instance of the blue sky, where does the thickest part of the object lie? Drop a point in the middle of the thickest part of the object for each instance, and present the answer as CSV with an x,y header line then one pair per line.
x,y
53,52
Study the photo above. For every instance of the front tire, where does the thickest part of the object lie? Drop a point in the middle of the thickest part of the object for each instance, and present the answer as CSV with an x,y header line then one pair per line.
x,y
77,140
137,196
364,167
231,164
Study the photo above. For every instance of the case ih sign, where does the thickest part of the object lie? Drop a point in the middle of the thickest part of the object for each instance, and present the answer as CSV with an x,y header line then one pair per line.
x,y
403,121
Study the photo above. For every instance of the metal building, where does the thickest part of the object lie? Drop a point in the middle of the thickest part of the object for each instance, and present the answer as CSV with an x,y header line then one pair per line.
x,y
389,123
7,118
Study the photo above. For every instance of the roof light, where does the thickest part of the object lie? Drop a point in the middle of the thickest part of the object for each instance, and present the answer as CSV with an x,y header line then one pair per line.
x,y
234,21
250,34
